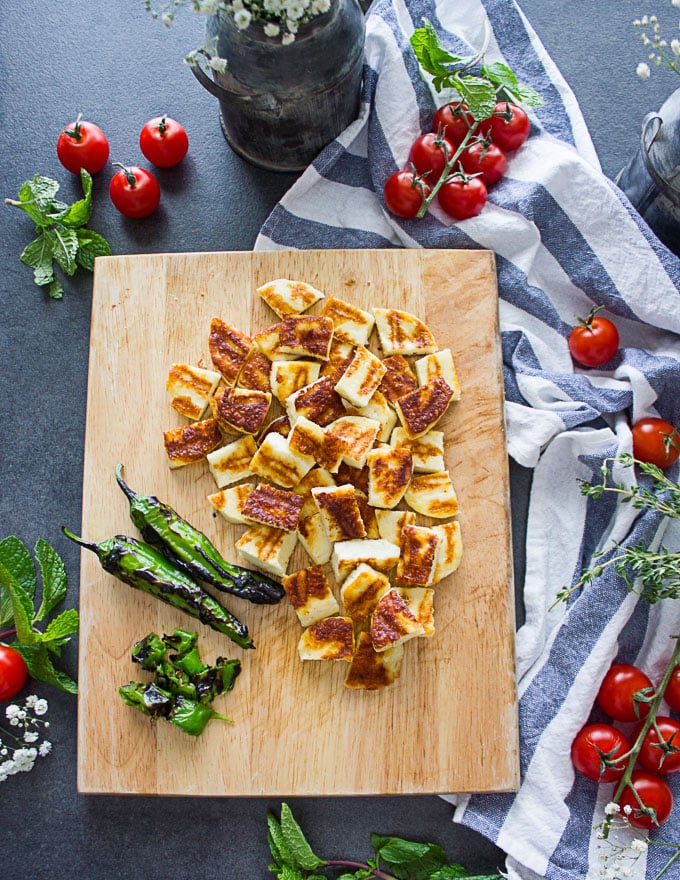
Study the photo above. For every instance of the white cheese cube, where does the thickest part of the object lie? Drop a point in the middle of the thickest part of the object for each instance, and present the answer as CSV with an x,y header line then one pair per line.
x,y
275,461
427,450
439,365
190,389
231,463
361,378
267,548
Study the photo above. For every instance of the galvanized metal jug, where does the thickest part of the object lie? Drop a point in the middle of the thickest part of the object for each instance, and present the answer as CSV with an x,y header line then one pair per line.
x,y
281,104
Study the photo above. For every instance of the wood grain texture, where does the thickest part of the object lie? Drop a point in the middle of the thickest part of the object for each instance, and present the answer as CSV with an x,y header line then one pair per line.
x,y
450,722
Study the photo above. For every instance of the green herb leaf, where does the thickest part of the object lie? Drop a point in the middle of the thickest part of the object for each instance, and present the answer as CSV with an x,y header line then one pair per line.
x,y
479,94
56,289
53,576
79,212
90,246
300,851
17,560
22,606
406,859
277,842
60,630
35,197
38,255
41,668
63,243
499,73
431,55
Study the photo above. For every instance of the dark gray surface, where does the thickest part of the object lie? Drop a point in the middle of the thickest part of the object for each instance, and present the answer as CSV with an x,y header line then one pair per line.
x,y
118,67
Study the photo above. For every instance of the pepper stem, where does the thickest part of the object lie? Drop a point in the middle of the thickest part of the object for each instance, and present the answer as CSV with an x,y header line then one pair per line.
x,y
123,485
90,545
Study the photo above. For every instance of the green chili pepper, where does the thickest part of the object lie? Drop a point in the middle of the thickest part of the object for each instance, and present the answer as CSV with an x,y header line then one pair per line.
x,y
192,717
148,698
144,568
191,550
149,652
185,713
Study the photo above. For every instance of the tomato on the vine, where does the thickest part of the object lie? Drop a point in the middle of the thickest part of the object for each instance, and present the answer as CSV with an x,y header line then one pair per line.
x,y
672,693
429,154
595,750
509,126
82,145
656,441
661,753
486,159
134,191
454,121
13,672
625,692
654,793
594,341
462,197
404,193
163,141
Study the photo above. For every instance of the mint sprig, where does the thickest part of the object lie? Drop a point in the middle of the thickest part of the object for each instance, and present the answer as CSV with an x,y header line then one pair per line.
x,y
62,237
18,597
395,858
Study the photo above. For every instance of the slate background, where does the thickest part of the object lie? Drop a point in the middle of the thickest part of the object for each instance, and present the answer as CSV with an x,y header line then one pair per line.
x,y
119,67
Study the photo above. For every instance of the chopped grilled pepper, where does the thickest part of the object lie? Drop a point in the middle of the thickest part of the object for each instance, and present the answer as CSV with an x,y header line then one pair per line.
x,y
149,652
193,551
144,568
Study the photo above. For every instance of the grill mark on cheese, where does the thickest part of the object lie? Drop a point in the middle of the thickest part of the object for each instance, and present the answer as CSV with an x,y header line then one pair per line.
x,y
242,409
280,425
341,512
350,323
273,507
371,671
392,621
319,401
306,584
228,348
308,438
255,372
399,378
191,443
389,474
418,552
421,409
357,477
334,635
306,335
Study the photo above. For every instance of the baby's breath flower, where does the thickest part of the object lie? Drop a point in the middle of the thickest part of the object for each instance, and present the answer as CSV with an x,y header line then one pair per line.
x,y
611,809
287,39
31,736
643,70
675,46
271,29
242,18
44,748
218,64
639,845
40,707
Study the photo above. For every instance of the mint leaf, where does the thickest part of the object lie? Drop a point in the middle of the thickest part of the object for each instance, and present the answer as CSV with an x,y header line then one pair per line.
x,y
406,859
79,212
478,93
524,94
53,576
431,55
56,289
22,605
499,73
60,630
38,255
301,854
17,560
41,668
277,843
63,243
90,246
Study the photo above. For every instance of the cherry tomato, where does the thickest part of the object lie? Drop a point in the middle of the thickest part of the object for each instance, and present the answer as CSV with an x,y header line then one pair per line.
x,y
658,754
462,197
405,192
134,191
654,794
594,752
82,145
656,441
429,155
509,126
672,692
453,121
163,141
594,341
13,672
623,691
486,159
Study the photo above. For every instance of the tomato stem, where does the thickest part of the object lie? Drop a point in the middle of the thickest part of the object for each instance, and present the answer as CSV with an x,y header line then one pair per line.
x,y
75,132
129,176
446,172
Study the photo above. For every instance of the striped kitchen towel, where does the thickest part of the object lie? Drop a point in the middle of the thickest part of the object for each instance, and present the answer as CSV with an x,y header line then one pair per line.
x,y
565,240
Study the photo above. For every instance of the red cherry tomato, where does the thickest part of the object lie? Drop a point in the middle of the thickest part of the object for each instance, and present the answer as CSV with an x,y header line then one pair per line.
x,y
661,754
654,793
405,192
429,155
163,141
13,672
509,126
82,145
594,341
453,122
486,159
594,752
135,191
462,198
656,441
672,692
623,691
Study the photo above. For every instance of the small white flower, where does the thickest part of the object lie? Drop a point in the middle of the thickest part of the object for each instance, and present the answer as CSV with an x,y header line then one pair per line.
x,y
271,29
675,47
242,19
166,18
208,7
273,6
320,6
218,64
25,759
643,70
611,808
638,845
287,39
45,748
7,768
295,9
40,707
292,25
12,711
31,701
30,736
627,809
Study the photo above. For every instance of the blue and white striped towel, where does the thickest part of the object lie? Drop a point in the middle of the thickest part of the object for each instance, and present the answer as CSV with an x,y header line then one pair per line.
x,y
565,240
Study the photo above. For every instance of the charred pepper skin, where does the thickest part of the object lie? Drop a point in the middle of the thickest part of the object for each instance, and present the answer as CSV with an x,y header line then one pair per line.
x,y
144,568
193,551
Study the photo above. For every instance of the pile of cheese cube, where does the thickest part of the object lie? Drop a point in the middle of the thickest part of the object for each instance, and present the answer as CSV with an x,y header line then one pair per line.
x,y
312,438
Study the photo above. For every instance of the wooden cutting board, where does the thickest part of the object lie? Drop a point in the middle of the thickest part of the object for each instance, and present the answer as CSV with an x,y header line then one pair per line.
x,y
449,724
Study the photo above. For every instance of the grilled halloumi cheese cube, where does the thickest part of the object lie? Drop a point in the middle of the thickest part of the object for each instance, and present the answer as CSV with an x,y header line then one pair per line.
x,y
255,372
400,332
318,401
357,435
361,378
231,463
312,535
310,594
358,477
362,589
427,450
449,550
389,474
378,409
339,357
275,461
417,562
399,378
240,410
287,297
371,671
315,477
308,438
272,506
229,502
420,601
367,513
267,548
391,522
420,410
190,389
191,443
439,365
329,639
228,348
340,512
287,377
378,553
393,622
433,495
306,336
267,342
279,425
350,323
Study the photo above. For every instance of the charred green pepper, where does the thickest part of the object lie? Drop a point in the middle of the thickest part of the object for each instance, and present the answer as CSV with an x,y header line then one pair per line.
x,y
193,551
187,714
144,568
